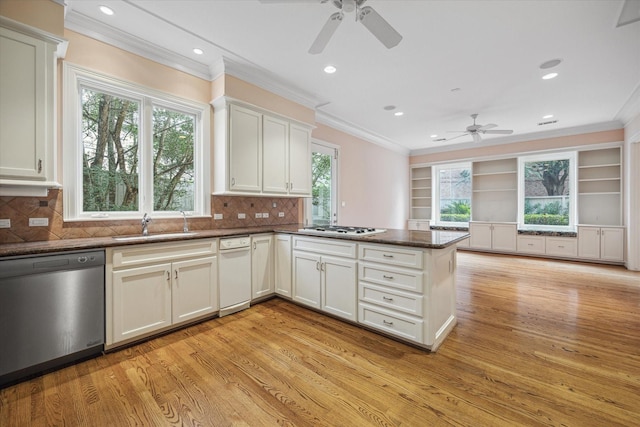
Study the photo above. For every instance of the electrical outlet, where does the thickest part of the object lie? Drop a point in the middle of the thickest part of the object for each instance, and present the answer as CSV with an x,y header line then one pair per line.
x,y
265,215
280,214
38,222
258,215
5,223
217,216
241,216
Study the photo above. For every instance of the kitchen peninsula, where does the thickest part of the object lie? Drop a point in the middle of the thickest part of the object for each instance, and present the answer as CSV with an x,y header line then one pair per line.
x,y
400,283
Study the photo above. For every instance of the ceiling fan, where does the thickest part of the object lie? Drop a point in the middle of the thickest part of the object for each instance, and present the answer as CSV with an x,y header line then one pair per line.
x,y
475,130
366,15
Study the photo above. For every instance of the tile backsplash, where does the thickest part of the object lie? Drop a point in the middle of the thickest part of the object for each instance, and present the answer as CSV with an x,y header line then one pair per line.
x,y
20,209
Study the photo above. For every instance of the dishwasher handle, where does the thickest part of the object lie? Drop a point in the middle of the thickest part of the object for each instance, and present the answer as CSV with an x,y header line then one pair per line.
x,y
38,264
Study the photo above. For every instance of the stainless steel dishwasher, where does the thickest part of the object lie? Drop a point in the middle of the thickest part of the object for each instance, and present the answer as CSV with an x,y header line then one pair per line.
x,y
51,312
234,274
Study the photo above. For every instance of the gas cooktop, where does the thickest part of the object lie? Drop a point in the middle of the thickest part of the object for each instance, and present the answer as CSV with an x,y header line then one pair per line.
x,y
340,229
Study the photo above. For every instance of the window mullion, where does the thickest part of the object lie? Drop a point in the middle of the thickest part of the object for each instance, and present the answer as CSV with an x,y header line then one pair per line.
x,y
145,176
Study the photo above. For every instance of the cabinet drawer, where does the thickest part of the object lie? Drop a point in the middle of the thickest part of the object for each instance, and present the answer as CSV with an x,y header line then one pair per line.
x,y
562,246
391,322
148,253
395,277
531,244
392,255
327,246
391,298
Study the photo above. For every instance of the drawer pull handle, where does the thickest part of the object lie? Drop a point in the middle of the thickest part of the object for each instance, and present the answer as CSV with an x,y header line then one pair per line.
x,y
176,271
168,275
39,165
387,277
530,244
561,247
387,298
387,256
387,322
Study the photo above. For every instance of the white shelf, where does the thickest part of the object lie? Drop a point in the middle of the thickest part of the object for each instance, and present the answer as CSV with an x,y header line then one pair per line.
x,y
495,190
496,173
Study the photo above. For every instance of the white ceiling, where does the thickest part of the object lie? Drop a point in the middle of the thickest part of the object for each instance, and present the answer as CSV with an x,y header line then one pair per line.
x,y
490,50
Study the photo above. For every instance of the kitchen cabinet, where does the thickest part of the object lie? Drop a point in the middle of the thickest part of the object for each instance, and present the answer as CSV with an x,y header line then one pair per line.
x,y
493,236
154,287
257,152
565,247
262,265
323,280
27,109
601,243
283,265
408,293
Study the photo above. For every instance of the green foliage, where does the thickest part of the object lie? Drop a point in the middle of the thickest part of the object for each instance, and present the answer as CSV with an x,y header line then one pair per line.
x,y
455,217
456,211
321,187
545,219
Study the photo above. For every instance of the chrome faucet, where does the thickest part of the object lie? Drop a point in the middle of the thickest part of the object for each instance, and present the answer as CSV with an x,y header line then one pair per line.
x,y
146,219
185,228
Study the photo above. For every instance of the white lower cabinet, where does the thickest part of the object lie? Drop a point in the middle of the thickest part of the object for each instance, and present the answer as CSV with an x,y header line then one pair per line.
x,y
407,292
531,244
601,243
493,236
283,265
325,282
561,246
153,287
262,265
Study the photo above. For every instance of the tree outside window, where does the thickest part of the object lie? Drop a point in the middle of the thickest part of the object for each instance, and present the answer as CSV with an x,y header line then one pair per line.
x,y
546,192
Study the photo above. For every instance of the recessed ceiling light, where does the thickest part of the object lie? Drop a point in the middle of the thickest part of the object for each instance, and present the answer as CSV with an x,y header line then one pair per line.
x,y
549,76
548,116
198,51
330,69
434,136
398,113
106,10
550,64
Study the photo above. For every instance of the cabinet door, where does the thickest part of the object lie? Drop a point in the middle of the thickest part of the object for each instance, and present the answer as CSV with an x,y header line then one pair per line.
x,y
195,288
261,267
589,242
612,244
275,155
306,278
26,106
299,160
339,287
245,150
283,265
504,237
141,301
480,236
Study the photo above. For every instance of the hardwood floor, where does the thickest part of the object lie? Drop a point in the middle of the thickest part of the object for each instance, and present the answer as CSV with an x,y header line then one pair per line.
x,y
538,342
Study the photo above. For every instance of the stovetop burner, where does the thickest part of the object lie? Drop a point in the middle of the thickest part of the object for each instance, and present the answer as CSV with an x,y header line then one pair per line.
x,y
340,229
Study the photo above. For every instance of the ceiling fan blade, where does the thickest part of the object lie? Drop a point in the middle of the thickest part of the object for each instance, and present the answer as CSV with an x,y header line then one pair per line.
x,y
291,1
499,131
457,136
380,28
476,137
326,32
489,126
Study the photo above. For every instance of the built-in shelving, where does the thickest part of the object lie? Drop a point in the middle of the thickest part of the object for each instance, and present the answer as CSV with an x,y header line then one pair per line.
x,y
421,192
495,189
600,187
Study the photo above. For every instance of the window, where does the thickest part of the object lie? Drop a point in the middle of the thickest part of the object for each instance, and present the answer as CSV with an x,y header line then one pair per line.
x,y
130,150
452,194
321,208
547,191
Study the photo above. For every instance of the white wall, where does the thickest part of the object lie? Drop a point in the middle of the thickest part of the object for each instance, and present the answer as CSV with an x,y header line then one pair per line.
x,y
632,192
373,181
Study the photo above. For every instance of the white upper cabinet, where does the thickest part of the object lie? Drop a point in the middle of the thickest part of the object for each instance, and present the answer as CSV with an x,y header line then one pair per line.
x,y
259,153
27,108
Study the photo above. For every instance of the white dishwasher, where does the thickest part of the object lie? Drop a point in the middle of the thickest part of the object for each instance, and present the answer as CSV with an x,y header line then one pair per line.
x,y
234,271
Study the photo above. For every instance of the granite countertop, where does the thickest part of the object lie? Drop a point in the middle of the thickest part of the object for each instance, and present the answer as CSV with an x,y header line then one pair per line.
x,y
434,239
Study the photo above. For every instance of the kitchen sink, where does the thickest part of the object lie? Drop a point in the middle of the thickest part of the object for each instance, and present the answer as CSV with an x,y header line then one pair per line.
x,y
154,236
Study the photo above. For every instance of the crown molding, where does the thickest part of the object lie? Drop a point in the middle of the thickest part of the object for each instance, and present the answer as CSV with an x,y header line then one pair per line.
x,y
533,136
95,29
351,129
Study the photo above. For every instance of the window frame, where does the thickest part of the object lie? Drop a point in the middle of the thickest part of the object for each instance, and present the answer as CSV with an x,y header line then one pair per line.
x,y
75,79
573,188
333,150
435,179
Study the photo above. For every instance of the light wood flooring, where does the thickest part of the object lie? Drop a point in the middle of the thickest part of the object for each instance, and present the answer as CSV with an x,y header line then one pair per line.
x,y
538,342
